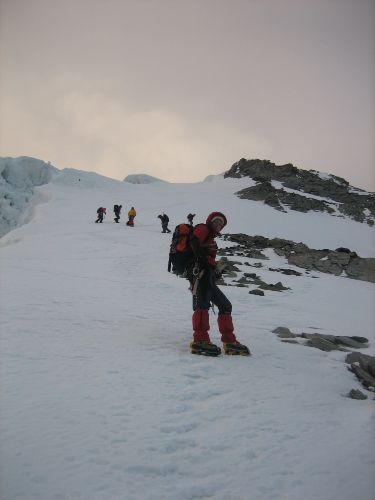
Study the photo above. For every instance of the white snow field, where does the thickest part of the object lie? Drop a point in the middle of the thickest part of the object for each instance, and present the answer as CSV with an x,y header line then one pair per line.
x,y
100,396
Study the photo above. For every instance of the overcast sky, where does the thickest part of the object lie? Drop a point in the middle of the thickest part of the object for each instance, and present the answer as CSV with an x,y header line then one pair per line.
x,y
181,89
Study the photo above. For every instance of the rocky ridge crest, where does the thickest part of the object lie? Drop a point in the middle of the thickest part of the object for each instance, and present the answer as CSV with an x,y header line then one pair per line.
x,y
303,190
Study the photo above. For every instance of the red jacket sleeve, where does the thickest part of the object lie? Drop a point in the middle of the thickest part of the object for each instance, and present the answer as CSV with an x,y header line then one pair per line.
x,y
201,232
204,243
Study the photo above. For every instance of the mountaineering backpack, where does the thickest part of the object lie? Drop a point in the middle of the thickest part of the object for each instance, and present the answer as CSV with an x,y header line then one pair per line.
x,y
180,253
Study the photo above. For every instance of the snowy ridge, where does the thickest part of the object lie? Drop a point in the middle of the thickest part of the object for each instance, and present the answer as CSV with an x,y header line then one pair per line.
x,y
101,398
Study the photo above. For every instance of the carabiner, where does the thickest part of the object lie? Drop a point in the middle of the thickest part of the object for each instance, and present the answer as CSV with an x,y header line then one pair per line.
x,y
196,269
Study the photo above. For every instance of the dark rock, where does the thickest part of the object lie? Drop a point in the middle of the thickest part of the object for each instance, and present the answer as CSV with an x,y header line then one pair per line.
x,y
363,366
361,340
343,250
284,332
361,269
228,267
364,360
255,254
323,345
365,378
288,272
243,281
277,287
330,338
257,265
349,342
324,261
356,394
257,292
336,339
251,275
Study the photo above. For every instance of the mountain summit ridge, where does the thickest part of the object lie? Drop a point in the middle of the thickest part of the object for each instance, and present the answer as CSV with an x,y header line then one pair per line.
x,y
303,190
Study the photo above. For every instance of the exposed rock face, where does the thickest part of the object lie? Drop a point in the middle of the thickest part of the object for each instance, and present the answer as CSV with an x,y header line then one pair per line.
x,y
363,367
334,342
229,269
336,262
279,198
361,269
284,333
288,272
326,342
339,195
257,292
356,394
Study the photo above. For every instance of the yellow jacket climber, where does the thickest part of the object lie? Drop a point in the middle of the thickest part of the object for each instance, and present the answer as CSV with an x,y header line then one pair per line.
x,y
131,214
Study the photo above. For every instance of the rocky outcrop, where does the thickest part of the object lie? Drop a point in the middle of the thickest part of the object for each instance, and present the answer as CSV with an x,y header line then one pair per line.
x,y
339,196
284,333
359,268
363,367
288,272
229,269
356,394
261,170
322,341
341,261
334,342
279,199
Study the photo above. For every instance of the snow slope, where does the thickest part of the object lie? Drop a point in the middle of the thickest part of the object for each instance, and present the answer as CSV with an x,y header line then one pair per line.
x,y
100,397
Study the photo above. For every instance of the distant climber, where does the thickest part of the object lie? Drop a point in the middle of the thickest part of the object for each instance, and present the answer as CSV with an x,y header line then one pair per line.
x,y
164,219
131,214
117,211
190,218
101,213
